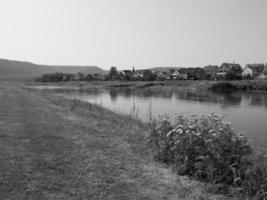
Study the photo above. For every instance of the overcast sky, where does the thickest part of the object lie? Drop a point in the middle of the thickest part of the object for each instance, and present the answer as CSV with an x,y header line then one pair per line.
x,y
143,33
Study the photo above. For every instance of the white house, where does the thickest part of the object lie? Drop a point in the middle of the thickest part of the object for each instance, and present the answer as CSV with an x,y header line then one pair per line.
x,y
179,76
247,73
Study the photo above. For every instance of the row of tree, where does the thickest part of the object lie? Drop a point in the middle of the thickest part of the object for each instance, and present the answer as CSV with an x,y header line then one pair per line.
x,y
197,73
113,75
63,77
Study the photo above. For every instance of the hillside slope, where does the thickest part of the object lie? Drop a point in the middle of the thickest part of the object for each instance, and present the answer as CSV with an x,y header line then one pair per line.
x,y
75,69
164,69
11,70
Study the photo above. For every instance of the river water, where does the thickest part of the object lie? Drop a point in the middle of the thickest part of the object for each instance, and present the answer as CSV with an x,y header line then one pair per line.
x,y
246,110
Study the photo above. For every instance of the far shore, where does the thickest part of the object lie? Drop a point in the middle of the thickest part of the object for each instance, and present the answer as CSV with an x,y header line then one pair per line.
x,y
242,85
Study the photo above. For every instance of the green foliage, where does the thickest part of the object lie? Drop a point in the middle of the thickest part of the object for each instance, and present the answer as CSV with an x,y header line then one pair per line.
x,y
113,71
149,76
113,75
62,77
56,77
252,85
197,73
209,149
238,85
254,182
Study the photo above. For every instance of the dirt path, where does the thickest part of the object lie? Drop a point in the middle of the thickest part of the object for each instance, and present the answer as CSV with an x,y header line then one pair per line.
x,y
48,153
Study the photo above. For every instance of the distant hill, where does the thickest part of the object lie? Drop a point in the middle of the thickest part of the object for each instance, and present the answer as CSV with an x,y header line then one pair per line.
x,y
11,70
82,69
159,69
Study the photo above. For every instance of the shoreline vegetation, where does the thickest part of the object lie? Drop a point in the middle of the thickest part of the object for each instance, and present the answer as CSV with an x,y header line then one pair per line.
x,y
216,86
239,86
204,148
211,150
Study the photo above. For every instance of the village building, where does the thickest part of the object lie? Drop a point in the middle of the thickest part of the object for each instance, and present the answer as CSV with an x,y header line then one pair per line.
x,y
161,76
176,75
125,75
229,71
126,72
263,75
252,71
248,74
211,72
138,75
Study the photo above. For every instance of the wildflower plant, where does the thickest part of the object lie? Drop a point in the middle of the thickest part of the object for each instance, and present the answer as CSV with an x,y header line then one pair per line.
x,y
209,149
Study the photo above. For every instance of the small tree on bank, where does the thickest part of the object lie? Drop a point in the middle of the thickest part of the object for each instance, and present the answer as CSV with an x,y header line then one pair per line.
x,y
149,76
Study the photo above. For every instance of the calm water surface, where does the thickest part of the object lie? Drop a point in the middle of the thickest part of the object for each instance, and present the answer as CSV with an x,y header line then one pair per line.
x,y
247,111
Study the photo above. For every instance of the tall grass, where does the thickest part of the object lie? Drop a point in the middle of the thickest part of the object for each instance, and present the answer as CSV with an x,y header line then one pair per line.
x,y
209,149
81,104
252,85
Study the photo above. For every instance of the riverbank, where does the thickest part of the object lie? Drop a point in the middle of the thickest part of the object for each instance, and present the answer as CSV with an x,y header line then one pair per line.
x,y
248,85
245,85
198,85
125,84
54,148
249,181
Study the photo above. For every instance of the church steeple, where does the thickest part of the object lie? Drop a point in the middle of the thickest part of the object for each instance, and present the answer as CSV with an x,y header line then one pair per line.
x,y
133,70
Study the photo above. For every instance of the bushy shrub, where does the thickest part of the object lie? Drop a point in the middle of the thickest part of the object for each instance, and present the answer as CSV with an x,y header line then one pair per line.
x,y
254,182
260,86
244,86
208,149
251,85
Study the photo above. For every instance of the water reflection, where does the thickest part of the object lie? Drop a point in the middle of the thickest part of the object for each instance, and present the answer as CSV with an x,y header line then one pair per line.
x,y
233,99
258,100
113,95
225,100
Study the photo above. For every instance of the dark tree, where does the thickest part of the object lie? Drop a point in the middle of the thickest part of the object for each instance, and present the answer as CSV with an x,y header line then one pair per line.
x,y
149,76
113,71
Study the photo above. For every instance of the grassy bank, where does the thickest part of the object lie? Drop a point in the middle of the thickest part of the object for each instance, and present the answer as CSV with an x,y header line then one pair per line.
x,y
204,148
222,86
136,134
55,148
251,85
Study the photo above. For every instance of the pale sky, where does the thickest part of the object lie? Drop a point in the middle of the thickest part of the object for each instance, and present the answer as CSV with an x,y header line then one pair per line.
x,y
143,33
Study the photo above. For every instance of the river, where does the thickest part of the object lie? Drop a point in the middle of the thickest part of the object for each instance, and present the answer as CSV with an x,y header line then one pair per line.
x,y
246,110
